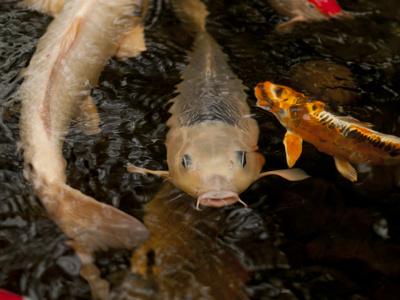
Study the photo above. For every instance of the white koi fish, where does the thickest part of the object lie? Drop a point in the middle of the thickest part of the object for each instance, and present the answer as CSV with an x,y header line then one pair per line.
x,y
212,141
68,61
307,11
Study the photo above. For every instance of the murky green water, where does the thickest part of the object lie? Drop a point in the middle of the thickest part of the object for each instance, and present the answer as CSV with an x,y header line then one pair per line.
x,y
308,240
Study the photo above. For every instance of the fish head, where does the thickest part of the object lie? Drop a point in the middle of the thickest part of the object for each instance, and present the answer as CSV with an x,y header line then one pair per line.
x,y
273,97
213,162
322,10
278,99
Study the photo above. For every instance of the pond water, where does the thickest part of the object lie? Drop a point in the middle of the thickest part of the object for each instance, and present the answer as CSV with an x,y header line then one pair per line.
x,y
322,238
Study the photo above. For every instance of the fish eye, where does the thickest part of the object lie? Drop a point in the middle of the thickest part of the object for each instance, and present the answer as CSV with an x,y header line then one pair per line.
x,y
310,5
241,157
186,161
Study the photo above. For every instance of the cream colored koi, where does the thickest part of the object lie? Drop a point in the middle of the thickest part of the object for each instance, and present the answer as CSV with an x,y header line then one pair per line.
x,y
212,141
68,61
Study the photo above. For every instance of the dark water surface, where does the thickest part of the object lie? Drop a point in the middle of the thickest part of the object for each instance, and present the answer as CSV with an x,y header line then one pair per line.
x,y
323,238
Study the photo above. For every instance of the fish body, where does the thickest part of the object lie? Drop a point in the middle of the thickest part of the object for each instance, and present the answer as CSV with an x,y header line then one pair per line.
x,y
212,141
56,91
346,139
307,11
6,295
182,259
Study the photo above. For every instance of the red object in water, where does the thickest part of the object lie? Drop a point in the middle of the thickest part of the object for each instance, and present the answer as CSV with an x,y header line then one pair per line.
x,y
5,295
327,7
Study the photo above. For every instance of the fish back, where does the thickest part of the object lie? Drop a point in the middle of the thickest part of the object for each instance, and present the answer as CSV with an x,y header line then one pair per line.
x,y
209,90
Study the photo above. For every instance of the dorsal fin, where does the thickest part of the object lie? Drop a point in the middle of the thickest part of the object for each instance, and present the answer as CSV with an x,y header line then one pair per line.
x,y
355,121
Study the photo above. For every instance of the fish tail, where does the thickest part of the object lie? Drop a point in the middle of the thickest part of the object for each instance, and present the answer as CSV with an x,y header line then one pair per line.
x,y
192,13
93,226
101,225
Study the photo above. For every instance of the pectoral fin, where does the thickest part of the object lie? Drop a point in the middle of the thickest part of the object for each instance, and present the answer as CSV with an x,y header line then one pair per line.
x,y
133,169
346,169
288,26
293,146
88,120
288,174
133,43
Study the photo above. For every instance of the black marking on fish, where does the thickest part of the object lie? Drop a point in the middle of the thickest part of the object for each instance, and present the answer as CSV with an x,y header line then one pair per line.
x,y
331,125
389,148
325,118
395,152
381,144
264,94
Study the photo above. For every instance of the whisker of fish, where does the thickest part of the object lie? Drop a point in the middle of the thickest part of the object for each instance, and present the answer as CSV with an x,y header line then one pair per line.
x,y
244,203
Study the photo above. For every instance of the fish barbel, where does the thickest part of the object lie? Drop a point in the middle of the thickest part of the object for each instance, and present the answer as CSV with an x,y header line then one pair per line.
x,y
307,11
347,139
212,141
68,61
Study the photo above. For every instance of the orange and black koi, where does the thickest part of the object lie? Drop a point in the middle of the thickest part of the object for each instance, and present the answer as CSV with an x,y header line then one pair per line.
x,y
345,138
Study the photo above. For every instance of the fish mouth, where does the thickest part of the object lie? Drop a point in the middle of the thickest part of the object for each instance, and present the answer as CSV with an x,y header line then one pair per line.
x,y
217,198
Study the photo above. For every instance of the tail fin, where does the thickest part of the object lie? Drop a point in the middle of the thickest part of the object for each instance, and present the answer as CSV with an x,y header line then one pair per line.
x,y
92,226
192,14
99,224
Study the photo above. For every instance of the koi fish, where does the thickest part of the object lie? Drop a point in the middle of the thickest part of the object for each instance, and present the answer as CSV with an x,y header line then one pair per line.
x,y
347,139
307,11
6,295
68,61
182,258
212,140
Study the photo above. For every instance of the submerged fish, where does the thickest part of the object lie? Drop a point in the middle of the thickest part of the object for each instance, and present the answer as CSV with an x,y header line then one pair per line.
x,y
183,258
212,141
346,139
307,11
68,61
6,295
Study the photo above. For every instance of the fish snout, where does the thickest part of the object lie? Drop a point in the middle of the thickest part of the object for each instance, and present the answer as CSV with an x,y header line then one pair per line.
x,y
217,198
